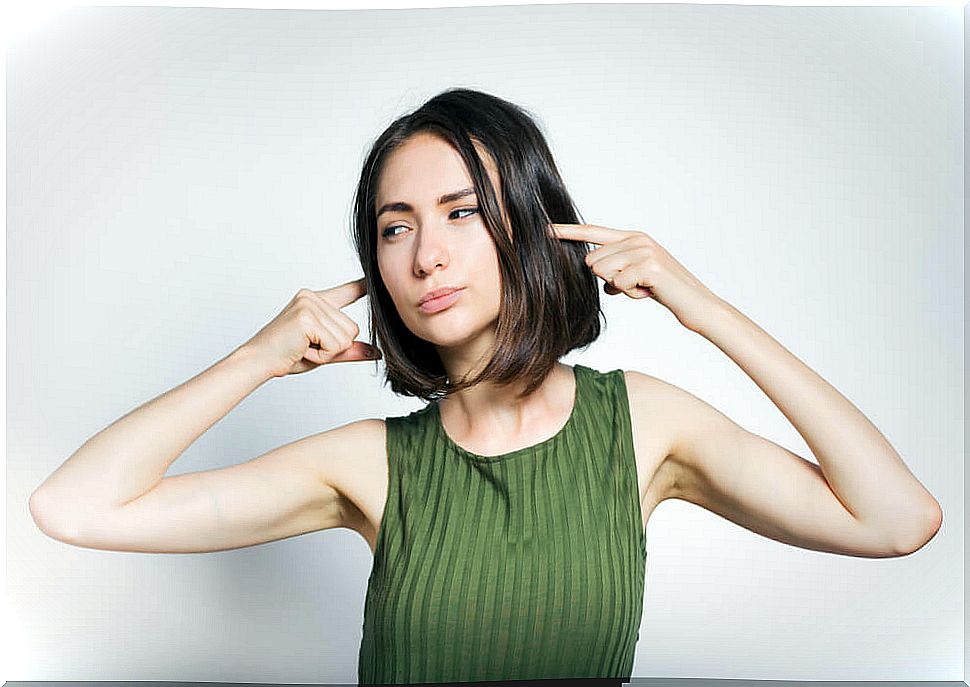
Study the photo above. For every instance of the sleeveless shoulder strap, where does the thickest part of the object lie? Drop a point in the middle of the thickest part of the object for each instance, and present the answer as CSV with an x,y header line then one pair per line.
x,y
608,408
404,437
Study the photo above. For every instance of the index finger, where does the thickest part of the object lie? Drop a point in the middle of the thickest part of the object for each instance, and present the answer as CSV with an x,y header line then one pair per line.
x,y
347,293
591,233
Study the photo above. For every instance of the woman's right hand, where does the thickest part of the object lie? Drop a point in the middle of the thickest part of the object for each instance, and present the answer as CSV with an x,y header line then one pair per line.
x,y
312,331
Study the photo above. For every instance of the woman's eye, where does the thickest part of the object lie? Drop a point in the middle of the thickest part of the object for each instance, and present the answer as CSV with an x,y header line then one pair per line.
x,y
387,231
472,210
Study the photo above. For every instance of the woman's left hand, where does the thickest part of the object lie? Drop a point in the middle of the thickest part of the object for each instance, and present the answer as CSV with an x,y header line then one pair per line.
x,y
632,263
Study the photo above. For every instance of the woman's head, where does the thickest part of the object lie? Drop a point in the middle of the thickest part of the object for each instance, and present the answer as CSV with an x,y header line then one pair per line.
x,y
527,299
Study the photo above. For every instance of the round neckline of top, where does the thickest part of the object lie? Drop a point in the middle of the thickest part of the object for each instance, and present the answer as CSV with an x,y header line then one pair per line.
x,y
439,425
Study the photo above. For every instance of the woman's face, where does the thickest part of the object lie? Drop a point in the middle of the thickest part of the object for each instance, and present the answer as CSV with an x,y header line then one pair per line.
x,y
424,244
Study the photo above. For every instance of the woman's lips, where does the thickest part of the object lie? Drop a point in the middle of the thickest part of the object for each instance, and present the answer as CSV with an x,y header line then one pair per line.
x,y
438,304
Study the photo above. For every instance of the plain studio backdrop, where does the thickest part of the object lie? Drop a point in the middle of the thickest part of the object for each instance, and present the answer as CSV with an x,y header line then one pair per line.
x,y
176,175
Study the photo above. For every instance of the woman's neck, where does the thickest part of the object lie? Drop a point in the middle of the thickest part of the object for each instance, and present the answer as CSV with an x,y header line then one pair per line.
x,y
487,410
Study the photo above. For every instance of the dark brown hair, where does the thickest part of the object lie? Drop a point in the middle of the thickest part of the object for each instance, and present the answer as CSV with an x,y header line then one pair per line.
x,y
550,301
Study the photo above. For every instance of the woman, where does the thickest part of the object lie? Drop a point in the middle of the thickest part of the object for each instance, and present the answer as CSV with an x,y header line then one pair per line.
x,y
507,517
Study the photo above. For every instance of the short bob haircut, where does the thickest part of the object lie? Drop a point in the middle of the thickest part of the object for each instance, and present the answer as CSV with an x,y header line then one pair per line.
x,y
550,300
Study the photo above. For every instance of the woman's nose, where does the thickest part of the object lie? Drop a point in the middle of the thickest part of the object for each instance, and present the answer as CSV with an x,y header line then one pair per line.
x,y
432,251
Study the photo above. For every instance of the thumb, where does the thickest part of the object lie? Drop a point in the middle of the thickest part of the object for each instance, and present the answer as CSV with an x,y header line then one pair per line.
x,y
358,350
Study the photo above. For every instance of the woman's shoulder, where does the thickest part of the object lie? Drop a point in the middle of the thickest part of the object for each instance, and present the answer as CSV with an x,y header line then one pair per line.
x,y
645,396
651,398
398,428
608,382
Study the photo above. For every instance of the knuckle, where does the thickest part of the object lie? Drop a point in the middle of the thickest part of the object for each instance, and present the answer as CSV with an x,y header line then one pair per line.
x,y
305,317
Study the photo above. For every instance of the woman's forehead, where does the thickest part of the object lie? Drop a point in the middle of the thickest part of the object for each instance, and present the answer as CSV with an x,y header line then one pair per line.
x,y
426,165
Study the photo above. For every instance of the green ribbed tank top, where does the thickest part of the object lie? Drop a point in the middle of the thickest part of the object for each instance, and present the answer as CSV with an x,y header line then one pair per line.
x,y
524,566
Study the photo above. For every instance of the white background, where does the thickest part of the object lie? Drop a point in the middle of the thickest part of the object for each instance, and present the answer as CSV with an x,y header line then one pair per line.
x,y
175,175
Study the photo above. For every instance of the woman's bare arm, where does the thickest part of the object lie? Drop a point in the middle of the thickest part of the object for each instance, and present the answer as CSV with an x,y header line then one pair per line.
x,y
130,456
297,488
112,492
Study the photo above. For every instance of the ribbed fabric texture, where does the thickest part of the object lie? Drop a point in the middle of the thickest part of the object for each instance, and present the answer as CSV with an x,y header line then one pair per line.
x,y
524,566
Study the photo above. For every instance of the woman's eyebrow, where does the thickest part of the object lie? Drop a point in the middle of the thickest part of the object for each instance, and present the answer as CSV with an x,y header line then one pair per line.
x,y
400,206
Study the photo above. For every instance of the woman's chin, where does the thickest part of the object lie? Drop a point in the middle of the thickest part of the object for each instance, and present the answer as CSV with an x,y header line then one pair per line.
x,y
440,341
451,336
454,332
